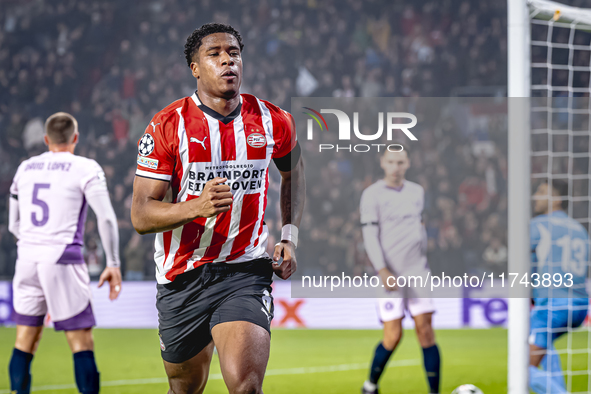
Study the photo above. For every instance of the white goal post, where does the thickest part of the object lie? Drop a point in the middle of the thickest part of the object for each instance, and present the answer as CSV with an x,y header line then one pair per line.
x,y
518,46
553,87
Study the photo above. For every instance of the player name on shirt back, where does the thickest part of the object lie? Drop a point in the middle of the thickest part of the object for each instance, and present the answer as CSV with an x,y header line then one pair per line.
x,y
51,166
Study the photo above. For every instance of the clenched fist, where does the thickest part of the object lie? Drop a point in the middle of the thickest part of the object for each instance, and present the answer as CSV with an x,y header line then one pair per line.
x,y
214,199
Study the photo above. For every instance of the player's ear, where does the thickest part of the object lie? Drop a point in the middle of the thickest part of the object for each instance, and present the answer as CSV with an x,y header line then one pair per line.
x,y
195,69
46,140
75,139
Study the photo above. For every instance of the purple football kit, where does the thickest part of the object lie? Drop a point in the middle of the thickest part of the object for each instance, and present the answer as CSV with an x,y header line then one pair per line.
x,y
50,195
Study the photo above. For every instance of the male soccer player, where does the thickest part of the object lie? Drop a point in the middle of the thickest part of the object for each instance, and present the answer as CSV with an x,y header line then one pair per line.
x,y
213,150
49,198
560,255
394,239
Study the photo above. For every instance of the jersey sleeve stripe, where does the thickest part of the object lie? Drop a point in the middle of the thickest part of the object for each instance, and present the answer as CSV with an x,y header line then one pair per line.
x,y
152,175
283,132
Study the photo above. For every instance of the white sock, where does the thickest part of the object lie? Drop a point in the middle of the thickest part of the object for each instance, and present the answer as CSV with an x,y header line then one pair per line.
x,y
369,386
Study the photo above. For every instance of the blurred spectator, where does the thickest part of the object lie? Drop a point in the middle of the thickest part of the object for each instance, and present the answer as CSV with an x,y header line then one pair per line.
x,y
33,134
495,256
473,193
135,258
346,89
93,254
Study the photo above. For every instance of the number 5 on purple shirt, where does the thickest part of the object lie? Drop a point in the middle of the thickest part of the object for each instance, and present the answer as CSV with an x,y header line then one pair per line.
x,y
41,203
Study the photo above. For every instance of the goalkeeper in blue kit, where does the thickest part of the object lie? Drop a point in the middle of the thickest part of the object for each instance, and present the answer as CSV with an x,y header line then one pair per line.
x,y
560,255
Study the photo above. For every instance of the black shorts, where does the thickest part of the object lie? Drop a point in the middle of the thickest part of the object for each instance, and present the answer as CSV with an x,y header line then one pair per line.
x,y
190,306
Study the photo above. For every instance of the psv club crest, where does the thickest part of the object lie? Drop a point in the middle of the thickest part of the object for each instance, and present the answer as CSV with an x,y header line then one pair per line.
x,y
256,140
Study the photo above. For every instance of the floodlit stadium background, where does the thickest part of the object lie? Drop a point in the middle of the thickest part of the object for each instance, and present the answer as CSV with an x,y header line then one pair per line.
x,y
114,64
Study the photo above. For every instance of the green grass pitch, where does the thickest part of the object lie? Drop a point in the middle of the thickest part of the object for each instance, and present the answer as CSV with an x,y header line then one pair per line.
x,y
302,361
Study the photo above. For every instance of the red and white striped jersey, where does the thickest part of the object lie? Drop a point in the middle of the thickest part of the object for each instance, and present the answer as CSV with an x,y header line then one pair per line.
x,y
189,144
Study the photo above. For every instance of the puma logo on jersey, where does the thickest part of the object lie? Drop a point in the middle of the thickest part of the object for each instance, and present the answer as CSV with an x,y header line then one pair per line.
x,y
154,126
193,139
267,302
266,313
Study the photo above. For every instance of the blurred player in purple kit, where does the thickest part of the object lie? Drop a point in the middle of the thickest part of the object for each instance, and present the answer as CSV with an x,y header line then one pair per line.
x,y
49,198
395,241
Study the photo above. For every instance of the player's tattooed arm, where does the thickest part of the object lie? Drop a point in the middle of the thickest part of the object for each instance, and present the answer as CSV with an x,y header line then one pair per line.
x,y
149,214
293,194
292,200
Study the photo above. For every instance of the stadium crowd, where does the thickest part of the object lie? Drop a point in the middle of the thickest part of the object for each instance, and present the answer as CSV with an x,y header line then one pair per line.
x,y
114,64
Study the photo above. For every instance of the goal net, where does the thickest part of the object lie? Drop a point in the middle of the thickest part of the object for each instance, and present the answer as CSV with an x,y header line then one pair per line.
x,y
559,68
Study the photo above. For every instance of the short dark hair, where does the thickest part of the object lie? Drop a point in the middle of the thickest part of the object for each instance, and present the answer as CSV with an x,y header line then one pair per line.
x,y
559,187
195,39
60,127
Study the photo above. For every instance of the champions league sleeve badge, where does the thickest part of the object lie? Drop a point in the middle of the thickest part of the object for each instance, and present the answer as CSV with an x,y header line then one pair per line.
x,y
146,146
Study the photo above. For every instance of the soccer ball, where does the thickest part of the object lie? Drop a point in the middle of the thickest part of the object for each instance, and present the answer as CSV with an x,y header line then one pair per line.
x,y
467,389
